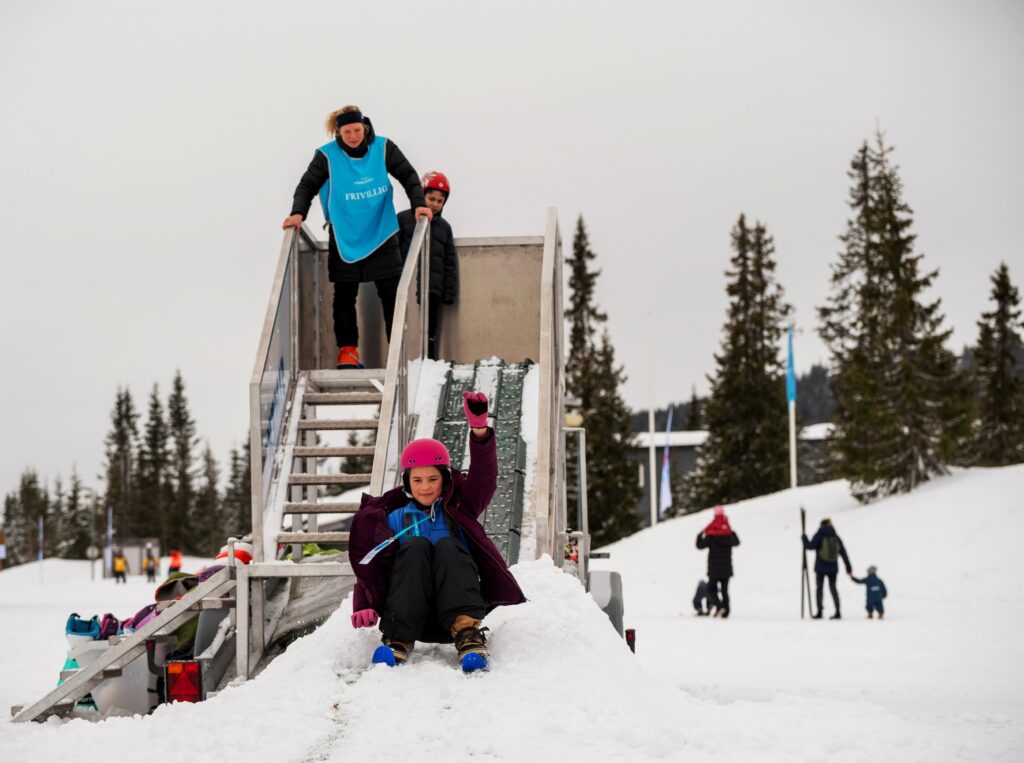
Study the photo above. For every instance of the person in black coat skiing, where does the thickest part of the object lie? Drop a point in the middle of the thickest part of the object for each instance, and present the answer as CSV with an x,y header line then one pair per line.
x,y
828,547
444,258
719,539
350,174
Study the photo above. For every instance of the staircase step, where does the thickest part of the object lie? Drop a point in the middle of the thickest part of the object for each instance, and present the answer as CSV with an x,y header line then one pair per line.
x,y
312,538
323,451
321,508
307,424
329,479
342,398
347,379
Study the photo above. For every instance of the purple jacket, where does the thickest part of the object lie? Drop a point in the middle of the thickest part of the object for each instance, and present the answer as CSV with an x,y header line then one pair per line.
x,y
464,501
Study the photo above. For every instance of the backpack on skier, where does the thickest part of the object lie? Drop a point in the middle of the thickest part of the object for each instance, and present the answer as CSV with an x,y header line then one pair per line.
x,y
829,551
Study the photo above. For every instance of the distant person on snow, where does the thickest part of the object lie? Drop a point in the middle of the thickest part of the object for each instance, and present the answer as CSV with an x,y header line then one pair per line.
x,y
120,565
150,563
700,599
828,547
175,565
350,174
719,539
444,259
424,564
876,592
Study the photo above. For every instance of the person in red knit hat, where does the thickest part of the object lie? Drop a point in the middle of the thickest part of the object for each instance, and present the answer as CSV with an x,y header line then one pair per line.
x,y
719,539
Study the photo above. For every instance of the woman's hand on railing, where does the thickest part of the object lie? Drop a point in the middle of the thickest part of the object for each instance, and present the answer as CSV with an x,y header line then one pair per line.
x,y
294,221
423,213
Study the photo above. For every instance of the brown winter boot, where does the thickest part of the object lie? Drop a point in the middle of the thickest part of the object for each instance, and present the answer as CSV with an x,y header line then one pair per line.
x,y
469,637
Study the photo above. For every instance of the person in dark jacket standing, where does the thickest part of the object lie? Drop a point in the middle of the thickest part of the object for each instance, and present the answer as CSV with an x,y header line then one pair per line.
x,y
719,539
828,547
876,592
350,174
444,259
424,564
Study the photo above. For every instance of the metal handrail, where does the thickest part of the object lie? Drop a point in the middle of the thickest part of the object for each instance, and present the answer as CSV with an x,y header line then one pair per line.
x,y
396,376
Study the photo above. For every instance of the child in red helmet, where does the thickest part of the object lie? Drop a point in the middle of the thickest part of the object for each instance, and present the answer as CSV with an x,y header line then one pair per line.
x,y
444,258
424,565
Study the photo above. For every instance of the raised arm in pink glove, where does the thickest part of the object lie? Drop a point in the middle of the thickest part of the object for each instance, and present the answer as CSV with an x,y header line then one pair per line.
x,y
475,405
364,618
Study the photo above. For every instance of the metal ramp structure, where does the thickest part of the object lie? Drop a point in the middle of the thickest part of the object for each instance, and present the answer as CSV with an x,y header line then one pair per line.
x,y
316,431
503,519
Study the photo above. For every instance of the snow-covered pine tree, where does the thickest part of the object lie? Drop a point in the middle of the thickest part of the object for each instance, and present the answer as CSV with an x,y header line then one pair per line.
x,y
999,431
901,405
591,376
120,469
745,416
182,429
154,462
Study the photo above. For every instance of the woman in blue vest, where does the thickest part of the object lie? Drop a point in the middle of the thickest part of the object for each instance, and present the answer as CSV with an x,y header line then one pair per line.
x,y
350,174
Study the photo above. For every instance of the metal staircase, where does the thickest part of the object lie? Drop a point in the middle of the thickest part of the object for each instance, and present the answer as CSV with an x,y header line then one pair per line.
x,y
345,396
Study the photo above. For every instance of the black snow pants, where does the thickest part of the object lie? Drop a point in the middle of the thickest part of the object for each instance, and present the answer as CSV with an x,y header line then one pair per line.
x,y
819,579
720,593
430,587
346,328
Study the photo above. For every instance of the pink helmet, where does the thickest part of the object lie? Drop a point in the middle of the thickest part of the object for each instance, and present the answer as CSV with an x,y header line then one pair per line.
x,y
425,452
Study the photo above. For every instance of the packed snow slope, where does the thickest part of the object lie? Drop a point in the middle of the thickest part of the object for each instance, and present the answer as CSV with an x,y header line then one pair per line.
x,y
938,680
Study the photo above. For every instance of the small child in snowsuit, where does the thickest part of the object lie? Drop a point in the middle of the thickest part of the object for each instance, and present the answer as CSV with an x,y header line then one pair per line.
x,y
876,592
700,599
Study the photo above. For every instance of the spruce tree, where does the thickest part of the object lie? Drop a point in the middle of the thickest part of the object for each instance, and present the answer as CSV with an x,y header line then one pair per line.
x,y
120,469
745,453
208,521
999,432
182,430
693,412
591,376
901,405
238,495
22,510
76,533
154,488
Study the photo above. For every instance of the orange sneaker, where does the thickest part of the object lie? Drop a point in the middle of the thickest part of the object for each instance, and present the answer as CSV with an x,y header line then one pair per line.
x,y
348,357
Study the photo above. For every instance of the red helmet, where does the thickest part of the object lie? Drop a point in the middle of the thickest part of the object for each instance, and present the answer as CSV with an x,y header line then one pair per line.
x,y
436,181
425,452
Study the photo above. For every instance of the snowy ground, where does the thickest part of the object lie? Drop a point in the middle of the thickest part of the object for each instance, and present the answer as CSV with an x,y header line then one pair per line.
x,y
938,680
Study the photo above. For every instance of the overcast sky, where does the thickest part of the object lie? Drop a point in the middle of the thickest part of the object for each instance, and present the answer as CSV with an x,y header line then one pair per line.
x,y
149,150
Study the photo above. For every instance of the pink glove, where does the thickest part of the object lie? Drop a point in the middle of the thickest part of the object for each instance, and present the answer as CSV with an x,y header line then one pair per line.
x,y
364,618
475,405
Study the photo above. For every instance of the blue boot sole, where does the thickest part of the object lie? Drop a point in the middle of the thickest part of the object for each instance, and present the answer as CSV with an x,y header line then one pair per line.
x,y
473,662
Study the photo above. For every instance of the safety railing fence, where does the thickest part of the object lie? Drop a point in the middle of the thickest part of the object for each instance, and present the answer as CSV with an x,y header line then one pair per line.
x,y
551,414
408,339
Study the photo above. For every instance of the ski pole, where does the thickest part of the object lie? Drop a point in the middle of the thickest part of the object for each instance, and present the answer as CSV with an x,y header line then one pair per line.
x,y
385,543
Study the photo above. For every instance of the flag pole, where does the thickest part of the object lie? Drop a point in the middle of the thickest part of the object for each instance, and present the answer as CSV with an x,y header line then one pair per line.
x,y
791,400
651,461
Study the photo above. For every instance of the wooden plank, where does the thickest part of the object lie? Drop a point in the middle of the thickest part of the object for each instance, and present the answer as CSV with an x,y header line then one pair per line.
x,y
301,537
320,508
329,479
343,398
319,424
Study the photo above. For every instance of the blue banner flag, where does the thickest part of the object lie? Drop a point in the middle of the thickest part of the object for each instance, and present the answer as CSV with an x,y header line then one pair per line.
x,y
40,537
665,499
790,372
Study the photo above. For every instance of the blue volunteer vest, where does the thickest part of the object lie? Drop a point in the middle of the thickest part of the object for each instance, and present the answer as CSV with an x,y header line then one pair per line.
x,y
357,200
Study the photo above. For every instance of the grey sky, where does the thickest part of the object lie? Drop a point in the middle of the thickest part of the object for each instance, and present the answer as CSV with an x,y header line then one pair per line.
x,y
148,152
